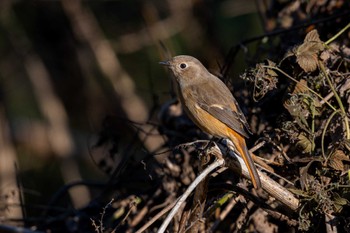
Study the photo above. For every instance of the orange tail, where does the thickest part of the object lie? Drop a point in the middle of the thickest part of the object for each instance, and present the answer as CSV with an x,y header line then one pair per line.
x,y
239,142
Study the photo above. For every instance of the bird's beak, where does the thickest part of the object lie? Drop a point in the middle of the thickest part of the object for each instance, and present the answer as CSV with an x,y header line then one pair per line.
x,y
165,63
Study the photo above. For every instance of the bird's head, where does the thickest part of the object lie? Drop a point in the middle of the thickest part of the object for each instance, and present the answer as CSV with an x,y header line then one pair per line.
x,y
185,68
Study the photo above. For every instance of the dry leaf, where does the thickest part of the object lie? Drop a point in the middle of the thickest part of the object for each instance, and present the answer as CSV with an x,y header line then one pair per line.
x,y
293,102
304,144
312,36
346,143
301,87
336,160
307,53
339,202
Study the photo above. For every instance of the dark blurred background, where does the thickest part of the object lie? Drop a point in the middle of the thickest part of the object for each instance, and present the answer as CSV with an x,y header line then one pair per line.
x,y
67,65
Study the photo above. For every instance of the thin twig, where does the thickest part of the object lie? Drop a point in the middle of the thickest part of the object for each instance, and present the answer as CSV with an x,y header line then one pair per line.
x,y
181,200
243,218
156,217
224,213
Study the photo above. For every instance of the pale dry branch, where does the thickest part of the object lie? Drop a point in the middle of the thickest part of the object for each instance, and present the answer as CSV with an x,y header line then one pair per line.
x,y
217,163
237,164
274,189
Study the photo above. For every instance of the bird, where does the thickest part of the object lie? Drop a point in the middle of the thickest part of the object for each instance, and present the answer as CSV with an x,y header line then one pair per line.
x,y
211,106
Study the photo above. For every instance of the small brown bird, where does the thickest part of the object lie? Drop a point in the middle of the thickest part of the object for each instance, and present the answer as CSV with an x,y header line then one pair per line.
x,y
211,106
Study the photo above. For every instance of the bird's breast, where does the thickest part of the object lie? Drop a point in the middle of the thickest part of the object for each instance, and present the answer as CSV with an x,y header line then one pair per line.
x,y
202,118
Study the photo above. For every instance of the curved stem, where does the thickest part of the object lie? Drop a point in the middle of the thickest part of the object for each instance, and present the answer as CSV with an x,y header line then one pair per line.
x,y
324,133
313,127
337,97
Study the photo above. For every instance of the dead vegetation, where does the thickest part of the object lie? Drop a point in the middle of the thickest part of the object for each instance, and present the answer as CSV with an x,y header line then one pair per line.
x,y
305,135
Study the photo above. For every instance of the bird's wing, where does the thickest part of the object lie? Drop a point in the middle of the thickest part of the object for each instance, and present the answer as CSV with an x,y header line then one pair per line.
x,y
220,103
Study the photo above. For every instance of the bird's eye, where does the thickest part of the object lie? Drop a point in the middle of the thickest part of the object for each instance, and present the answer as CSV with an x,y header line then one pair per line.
x,y
183,65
